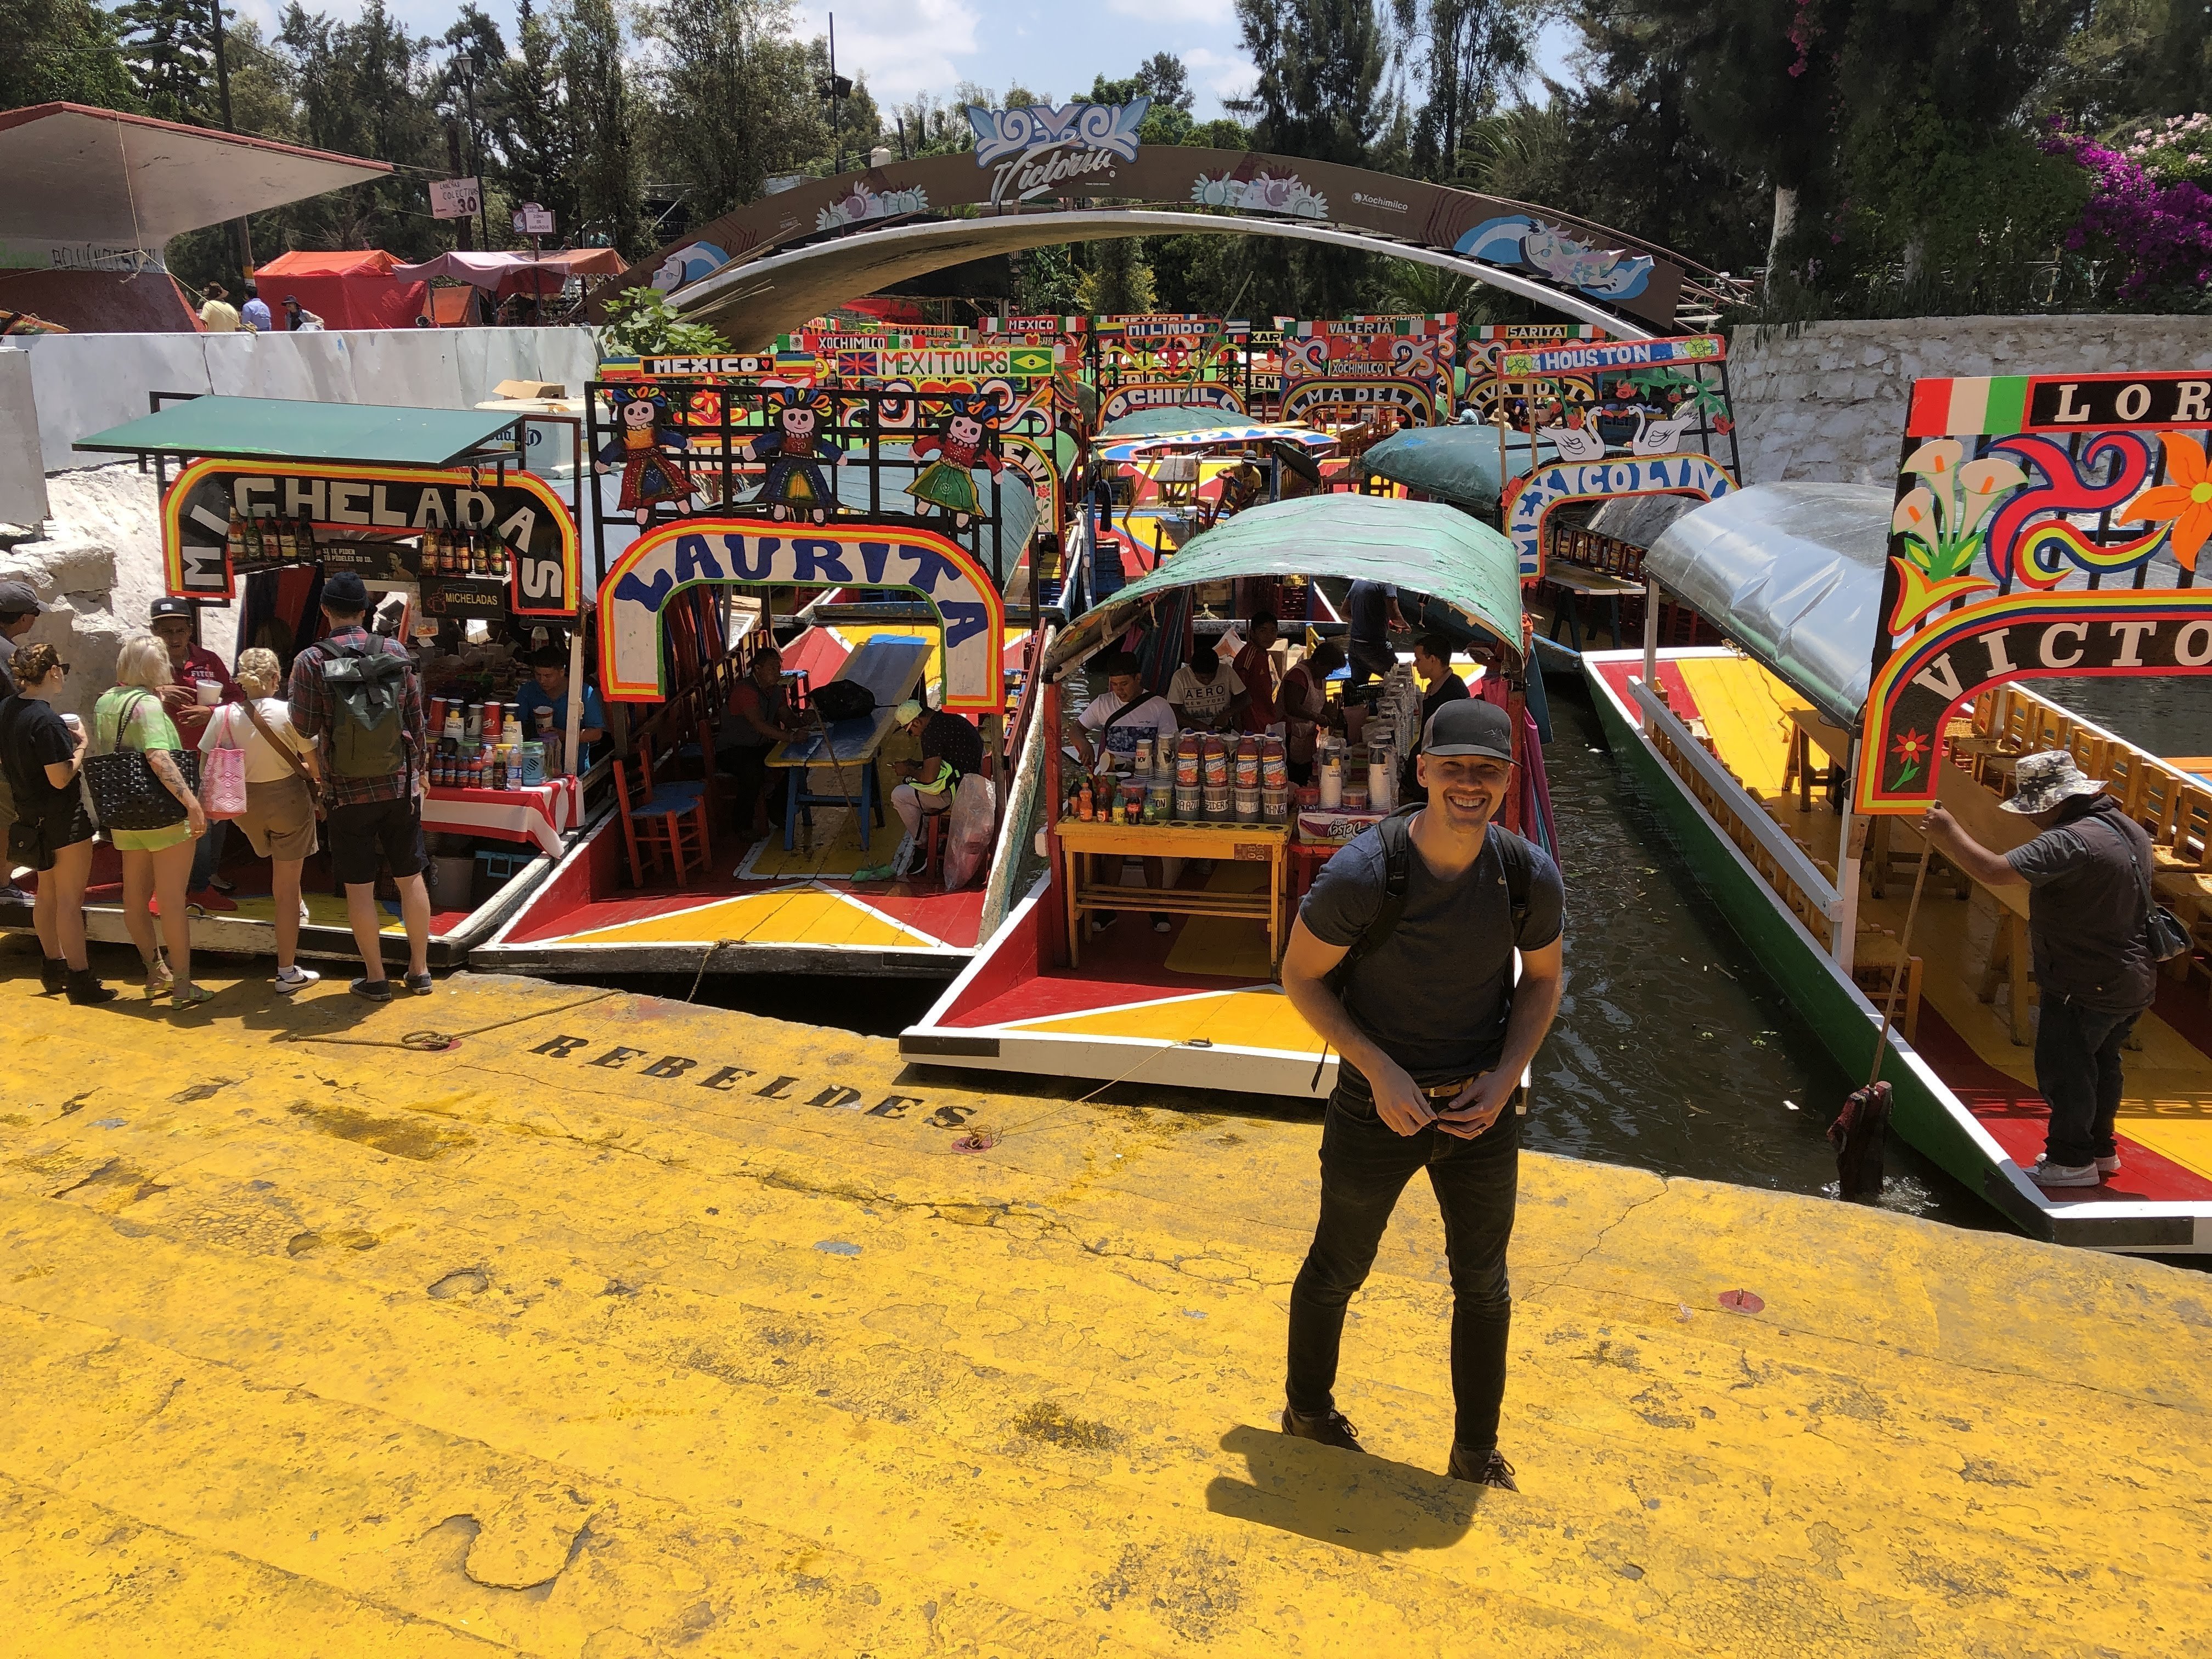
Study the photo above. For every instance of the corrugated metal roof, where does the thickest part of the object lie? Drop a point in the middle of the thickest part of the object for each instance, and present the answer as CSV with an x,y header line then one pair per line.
x,y
296,429
1792,573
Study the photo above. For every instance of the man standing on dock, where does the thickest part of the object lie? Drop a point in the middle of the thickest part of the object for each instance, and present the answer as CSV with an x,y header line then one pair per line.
x,y
1402,959
2088,919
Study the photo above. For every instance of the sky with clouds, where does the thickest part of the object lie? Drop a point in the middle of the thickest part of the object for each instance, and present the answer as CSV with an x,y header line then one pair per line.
x,y
907,46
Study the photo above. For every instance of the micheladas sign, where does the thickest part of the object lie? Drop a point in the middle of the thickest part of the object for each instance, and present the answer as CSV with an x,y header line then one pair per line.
x,y
2044,525
325,507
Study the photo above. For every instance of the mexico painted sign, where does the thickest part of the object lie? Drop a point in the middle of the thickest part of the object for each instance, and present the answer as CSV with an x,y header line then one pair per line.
x,y
390,503
689,551
1163,394
2043,525
1536,494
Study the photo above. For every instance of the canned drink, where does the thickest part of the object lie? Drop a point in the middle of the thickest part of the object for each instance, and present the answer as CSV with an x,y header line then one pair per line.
x,y
1189,801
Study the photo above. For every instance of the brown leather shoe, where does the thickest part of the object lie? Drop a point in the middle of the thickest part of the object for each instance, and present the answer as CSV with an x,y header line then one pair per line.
x,y
1330,1431
1487,1469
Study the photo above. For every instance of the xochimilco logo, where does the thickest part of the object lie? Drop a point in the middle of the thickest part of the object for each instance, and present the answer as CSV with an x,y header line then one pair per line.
x,y
1040,147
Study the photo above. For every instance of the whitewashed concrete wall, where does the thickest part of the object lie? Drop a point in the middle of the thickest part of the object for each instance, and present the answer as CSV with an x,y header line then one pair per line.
x,y
22,480
96,567
1827,404
87,383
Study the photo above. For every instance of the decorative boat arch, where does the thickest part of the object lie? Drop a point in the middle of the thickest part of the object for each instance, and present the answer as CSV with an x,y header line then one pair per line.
x,y
1042,176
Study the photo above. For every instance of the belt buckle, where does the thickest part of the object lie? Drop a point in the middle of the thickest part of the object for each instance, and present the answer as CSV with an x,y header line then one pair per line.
x,y
1446,1090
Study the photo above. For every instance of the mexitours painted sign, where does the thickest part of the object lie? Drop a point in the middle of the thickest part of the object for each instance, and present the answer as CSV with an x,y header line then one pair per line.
x,y
2047,525
524,513
1663,475
689,551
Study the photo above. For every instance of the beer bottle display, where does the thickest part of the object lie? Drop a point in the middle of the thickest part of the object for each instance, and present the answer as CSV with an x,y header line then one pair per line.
x,y
304,535
233,538
254,550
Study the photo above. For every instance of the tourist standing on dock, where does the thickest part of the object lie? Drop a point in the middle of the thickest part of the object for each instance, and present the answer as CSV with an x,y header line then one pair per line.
x,y
41,753
156,861
358,692
218,314
199,683
1402,958
19,609
281,786
2088,921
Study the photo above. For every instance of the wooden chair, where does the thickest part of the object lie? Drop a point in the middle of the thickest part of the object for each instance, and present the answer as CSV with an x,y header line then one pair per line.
x,y
670,820
2156,801
2190,846
1875,957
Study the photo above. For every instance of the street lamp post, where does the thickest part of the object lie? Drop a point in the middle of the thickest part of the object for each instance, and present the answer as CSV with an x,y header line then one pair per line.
x,y
470,66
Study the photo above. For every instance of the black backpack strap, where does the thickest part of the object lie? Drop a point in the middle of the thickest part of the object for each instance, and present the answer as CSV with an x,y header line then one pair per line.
x,y
1396,832
1520,874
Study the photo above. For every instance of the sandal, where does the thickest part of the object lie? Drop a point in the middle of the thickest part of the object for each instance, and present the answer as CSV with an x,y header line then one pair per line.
x,y
159,982
191,996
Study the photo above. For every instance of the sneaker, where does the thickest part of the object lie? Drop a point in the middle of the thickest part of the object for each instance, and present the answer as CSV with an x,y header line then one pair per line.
x,y
1487,1469
1334,1430
420,984
372,990
1103,919
306,919
208,899
295,978
2109,1166
1163,924
2044,1173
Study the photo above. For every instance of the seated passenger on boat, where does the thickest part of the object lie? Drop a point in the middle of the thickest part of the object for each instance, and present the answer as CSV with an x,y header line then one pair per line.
x,y
543,704
951,749
759,718
1205,694
1118,722
2088,916
1256,668
1432,655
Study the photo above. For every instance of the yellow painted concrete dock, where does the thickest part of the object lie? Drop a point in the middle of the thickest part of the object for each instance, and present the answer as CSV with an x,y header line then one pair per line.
x,y
621,1328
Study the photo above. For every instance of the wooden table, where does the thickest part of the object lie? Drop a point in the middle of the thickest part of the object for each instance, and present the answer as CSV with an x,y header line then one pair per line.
x,y
1248,843
1808,731
890,665
1578,581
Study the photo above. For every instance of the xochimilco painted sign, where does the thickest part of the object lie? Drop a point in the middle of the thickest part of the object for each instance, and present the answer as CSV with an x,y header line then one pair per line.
x,y
343,503
2016,495
689,551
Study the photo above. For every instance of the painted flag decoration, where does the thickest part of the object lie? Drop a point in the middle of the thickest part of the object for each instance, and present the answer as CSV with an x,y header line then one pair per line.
x,y
1993,406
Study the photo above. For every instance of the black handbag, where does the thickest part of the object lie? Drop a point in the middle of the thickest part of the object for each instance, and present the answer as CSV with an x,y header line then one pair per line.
x,y
2165,933
841,700
127,793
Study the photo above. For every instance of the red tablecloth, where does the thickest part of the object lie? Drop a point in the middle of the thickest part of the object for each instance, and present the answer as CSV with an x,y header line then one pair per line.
x,y
538,816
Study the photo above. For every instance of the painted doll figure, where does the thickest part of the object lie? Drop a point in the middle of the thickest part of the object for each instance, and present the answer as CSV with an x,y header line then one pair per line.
x,y
794,487
643,449
947,482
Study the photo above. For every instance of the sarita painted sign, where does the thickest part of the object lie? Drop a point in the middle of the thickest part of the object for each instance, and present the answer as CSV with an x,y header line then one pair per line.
x,y
689,551
392,502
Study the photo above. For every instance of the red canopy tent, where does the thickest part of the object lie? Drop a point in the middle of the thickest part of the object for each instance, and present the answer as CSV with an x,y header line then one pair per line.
x,y
351,289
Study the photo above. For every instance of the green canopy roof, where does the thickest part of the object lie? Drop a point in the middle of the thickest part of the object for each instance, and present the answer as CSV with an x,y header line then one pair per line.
x,y
1424,545
291,430
1456,463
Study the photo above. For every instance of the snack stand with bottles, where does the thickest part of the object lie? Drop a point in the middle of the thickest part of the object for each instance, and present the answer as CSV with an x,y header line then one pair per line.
x,y
467,555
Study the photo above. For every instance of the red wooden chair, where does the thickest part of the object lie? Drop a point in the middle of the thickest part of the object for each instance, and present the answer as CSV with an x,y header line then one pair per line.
x,y
670,820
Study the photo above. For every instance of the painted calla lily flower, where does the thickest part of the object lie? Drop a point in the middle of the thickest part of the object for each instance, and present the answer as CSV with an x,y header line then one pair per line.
x,y
1938,457
1984,481
2185,501
1915,515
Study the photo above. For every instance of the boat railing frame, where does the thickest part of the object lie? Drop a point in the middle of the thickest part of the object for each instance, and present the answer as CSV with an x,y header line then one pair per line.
x,y
1021,795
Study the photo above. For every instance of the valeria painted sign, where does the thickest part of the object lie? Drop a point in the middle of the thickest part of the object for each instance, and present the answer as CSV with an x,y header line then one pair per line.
x,y
1663,475
689,551
2018,494
525,514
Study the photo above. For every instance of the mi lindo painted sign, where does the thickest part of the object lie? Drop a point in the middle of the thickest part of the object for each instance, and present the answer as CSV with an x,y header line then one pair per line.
x,y
689,551
2043,525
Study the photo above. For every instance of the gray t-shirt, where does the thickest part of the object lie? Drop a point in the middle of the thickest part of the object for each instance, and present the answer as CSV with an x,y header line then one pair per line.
x,y
2085,909
1434,995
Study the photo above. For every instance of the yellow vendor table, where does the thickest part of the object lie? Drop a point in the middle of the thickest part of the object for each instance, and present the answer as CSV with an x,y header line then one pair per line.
x,y
1250,843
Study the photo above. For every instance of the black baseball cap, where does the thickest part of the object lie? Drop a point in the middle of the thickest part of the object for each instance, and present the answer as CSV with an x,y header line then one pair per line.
x,y
1467,726
171,606
344,591
16,600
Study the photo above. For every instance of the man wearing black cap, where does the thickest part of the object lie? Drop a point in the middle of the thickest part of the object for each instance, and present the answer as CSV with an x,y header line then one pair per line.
x,y
19,609
1402,960
357,691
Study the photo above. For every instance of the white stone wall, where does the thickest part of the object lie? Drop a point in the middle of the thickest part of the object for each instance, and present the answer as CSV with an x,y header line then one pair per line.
x,y
1827,404
96,566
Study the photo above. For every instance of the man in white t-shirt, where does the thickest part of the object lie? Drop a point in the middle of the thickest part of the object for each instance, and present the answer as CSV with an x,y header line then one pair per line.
x,y
1206,693
1125,717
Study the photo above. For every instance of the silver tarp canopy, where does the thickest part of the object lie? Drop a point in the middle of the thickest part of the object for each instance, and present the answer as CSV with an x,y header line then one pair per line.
x,y
1639,520
1792,573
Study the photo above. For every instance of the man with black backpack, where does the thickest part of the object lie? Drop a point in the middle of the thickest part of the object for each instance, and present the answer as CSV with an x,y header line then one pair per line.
x,y
1402,960
357,692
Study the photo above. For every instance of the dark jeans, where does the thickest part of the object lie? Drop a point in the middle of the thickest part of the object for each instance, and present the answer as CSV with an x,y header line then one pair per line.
x,y
747,765
1365,1166
207,857
2077,1068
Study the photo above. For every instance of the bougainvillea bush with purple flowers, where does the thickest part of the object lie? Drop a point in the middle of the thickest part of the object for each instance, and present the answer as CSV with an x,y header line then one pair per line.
x,y
2158,228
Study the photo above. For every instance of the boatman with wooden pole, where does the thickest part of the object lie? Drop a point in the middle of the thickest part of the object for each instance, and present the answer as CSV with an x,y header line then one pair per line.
x,y
1402,959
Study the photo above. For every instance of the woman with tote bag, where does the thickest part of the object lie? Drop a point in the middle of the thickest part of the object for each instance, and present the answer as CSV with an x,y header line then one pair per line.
x,y
137,761
278,791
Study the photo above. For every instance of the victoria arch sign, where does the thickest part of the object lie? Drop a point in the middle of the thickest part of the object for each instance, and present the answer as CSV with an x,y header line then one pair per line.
x,y
1038,177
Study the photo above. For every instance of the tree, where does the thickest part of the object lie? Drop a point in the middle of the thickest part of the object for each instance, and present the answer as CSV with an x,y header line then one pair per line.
x,y
1465,52
537,157
61,51
365,88
169,45
2132,58
729,88
605,117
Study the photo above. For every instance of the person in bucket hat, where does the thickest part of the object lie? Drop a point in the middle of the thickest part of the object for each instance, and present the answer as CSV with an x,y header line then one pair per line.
x,y
2088,916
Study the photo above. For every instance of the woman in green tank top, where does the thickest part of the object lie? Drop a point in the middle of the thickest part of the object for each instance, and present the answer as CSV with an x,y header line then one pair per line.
x,y
156,863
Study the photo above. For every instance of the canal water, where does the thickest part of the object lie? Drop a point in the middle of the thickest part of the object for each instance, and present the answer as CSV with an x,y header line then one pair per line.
x,y
1673,1051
